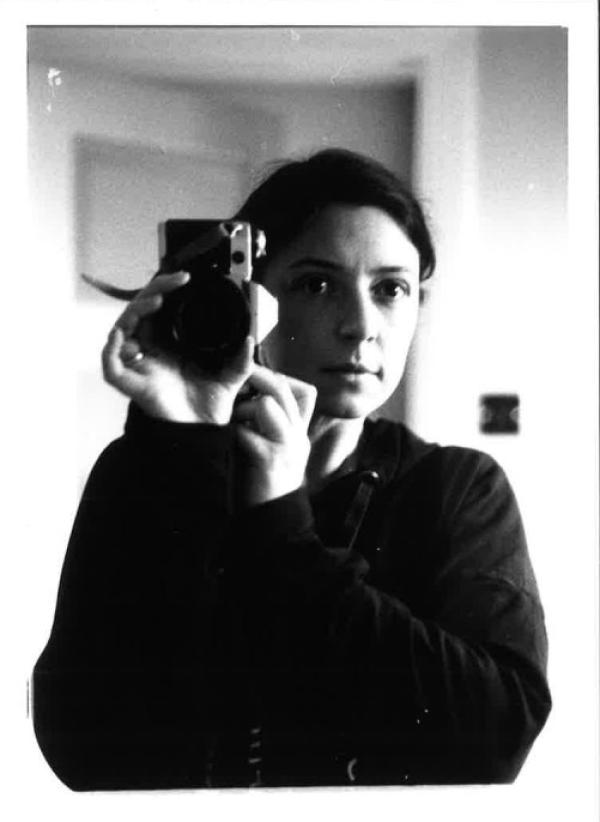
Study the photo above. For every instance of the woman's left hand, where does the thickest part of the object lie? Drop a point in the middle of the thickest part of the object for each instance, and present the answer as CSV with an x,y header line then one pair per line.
x,y
273,433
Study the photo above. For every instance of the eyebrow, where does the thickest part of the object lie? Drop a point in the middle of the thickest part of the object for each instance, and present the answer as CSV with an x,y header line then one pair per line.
x,y
328,265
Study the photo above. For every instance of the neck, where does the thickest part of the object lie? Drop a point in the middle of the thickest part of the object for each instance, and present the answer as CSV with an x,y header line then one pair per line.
x,y
332,441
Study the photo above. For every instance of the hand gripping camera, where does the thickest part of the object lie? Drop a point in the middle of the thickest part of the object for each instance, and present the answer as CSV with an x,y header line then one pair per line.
x,y
206,321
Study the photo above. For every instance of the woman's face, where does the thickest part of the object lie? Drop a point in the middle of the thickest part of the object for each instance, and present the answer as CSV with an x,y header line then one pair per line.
x,y
348,291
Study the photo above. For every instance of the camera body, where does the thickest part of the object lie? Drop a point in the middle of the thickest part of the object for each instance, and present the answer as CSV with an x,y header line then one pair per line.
x,y
206,321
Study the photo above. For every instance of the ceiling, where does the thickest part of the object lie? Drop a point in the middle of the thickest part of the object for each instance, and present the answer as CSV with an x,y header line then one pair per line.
x,y
282,55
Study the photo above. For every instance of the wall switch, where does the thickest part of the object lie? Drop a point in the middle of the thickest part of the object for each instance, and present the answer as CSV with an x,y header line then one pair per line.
x,y
499,413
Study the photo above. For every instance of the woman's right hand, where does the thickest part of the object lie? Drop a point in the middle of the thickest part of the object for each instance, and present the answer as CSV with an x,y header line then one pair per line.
x,y
159,384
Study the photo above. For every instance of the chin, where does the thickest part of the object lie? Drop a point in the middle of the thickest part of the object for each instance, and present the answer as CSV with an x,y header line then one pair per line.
x,y
346,408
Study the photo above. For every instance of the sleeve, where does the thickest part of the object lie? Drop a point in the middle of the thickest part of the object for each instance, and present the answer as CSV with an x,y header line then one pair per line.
x,y
123,687
451,691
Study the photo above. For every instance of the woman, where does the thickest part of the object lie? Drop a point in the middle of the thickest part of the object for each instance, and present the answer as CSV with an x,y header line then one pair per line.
x,y
273,589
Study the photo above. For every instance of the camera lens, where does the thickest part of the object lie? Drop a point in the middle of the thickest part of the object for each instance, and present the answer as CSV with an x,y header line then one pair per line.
x,y
211,322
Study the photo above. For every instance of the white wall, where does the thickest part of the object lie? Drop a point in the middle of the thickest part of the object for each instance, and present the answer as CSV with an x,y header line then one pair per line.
x,y
377,120
499,210
503,235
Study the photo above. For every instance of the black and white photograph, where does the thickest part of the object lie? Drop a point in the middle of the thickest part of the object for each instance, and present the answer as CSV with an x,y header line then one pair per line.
x,y
309,451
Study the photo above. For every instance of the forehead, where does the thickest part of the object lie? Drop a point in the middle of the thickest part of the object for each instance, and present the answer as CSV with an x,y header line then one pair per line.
x,y
352,236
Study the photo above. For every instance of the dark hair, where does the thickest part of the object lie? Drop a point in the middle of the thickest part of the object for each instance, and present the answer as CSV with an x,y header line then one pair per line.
x,y
284,203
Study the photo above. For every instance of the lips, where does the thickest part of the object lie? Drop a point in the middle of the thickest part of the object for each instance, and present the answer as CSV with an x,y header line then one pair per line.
x,y
351,368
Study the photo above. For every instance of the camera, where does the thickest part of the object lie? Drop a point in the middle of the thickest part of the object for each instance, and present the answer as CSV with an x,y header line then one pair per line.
x,y
206,321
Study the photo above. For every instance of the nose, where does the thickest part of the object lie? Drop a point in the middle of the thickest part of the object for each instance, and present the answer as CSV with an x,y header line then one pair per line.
x,y
359,319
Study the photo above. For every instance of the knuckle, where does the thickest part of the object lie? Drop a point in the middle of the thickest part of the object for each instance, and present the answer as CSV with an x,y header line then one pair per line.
x,y
273,378
267,402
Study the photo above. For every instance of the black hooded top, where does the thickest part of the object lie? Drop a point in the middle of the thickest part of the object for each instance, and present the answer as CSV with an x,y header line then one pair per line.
x,y
386,629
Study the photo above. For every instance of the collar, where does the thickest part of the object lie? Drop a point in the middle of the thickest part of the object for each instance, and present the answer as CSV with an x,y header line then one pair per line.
x,y
390,450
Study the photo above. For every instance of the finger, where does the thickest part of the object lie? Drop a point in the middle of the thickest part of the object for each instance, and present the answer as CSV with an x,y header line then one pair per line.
x,y
115,371
136,310
112,365
269,383
265,416
251,442
130,351
305,395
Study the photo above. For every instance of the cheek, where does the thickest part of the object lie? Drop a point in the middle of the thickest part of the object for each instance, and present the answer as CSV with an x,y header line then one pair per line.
x,y
291,323
296,336
286,345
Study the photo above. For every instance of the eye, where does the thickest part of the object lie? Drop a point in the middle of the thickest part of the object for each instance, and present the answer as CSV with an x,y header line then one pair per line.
x,y
391,290
313,285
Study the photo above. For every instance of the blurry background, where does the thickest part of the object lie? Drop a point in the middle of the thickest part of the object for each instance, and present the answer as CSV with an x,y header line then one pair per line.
x,y
130,126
